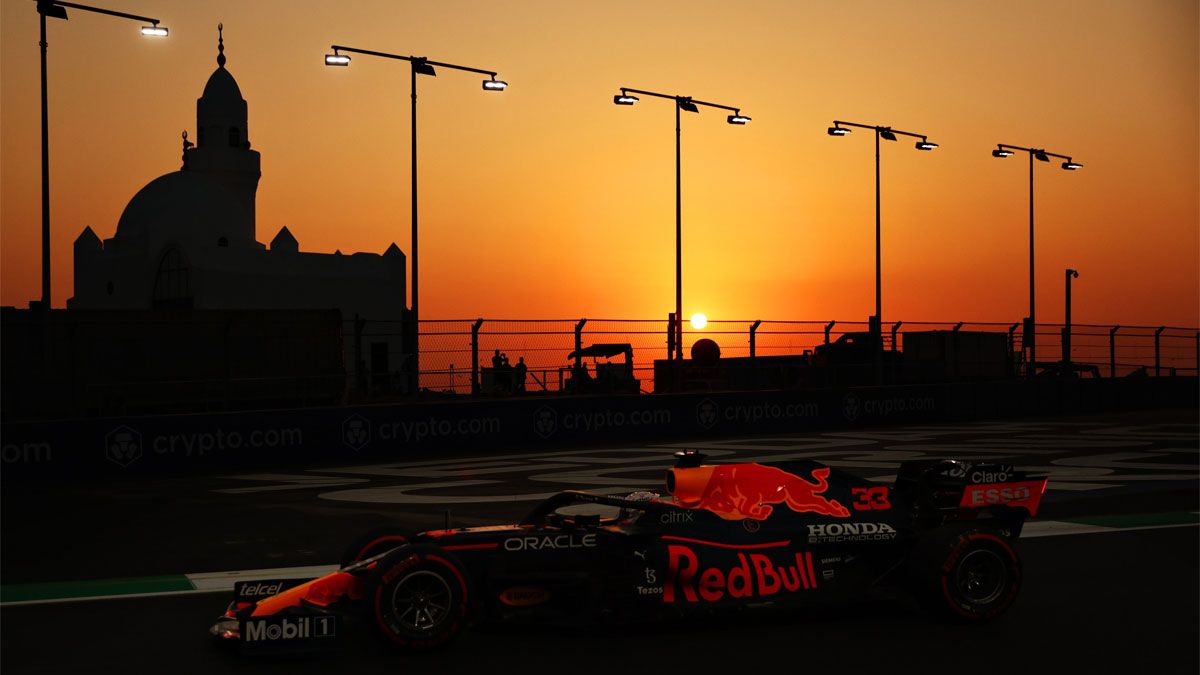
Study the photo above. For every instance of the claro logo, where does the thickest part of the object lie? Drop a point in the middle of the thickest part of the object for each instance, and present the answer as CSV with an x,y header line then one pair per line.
x,y
561,541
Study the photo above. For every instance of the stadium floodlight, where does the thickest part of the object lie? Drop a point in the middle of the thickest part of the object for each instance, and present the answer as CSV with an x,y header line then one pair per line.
x,y
337,60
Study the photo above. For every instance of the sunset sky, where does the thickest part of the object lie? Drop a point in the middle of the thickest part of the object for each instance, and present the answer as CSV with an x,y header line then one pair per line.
x,y
548,201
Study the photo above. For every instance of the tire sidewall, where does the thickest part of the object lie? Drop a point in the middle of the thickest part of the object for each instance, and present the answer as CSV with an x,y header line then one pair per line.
x,y
391,570
373,543
944,588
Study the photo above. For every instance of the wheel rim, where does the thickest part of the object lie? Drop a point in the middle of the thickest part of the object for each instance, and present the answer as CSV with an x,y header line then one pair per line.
x,y
421,601
981,576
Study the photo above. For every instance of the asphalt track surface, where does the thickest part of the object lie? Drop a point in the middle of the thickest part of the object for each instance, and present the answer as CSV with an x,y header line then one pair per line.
x,y
1126,601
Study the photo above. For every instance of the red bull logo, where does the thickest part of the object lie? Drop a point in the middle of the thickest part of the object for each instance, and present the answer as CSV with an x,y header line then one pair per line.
x,y
753,576
739,491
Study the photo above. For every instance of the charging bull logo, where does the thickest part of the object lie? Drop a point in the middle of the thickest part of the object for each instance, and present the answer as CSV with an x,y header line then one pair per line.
x,y
740,491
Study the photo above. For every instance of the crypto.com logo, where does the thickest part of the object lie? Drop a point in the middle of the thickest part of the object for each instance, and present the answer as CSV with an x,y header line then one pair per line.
x,y
356,432
545,421
123,445
706,413
851,406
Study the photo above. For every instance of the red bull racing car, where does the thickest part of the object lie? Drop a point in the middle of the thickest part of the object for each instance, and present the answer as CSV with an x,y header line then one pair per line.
x,y
728,535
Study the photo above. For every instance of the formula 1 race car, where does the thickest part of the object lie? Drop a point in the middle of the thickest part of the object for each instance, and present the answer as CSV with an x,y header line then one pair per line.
x,y
729,535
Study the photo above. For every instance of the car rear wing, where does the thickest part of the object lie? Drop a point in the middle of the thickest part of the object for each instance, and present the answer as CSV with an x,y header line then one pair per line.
x,y
952,485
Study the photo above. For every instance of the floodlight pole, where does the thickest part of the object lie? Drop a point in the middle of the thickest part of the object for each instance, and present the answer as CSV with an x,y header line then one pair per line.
x,y
57,10
877,328
1031,365
680,101
416,64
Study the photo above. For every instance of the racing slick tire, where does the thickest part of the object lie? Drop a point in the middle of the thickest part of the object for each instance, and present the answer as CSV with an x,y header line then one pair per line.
x,y
967,576
419,597
374,542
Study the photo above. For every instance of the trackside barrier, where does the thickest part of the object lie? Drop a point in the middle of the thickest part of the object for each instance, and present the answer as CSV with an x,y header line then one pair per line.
x,y
115,447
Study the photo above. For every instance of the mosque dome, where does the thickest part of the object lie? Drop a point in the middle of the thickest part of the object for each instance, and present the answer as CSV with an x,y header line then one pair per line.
x,y
186,206
221,87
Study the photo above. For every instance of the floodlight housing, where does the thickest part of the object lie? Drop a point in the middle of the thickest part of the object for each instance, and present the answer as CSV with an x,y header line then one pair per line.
x,y
625,99
423,68
887,134
337,60
686,104
925,145
1040,155
1070,165
51,10
495,85
738,118
1001,152
155,31
837,131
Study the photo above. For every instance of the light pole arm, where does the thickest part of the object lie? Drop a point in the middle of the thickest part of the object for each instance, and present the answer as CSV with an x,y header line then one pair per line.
x,y
98,10
673,97
411,59
1006,146
875,127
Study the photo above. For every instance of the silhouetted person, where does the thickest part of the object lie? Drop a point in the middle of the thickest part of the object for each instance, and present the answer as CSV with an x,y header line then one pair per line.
x,y
496,360
519,374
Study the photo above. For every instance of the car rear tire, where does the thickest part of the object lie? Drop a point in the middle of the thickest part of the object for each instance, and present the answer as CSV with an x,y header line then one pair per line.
x,y
419,597
373,543
969,576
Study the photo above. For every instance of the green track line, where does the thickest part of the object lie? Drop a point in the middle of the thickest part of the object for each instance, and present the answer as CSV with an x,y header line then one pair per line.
x,y
1138,520
98,587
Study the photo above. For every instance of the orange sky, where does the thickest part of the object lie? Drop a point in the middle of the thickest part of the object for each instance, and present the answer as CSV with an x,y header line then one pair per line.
x,y
549,201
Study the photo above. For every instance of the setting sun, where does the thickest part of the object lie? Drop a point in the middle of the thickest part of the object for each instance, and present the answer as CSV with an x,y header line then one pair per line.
x,y
699,321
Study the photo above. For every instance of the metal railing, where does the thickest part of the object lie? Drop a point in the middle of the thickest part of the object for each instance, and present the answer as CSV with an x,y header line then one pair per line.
x,y
544,345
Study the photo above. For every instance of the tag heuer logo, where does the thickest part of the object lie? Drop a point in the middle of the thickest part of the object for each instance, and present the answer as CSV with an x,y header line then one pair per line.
x,y
545,421
706,413
356,432
123,445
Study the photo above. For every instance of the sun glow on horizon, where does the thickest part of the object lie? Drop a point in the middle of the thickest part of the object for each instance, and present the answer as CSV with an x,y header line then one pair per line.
x,y
699,321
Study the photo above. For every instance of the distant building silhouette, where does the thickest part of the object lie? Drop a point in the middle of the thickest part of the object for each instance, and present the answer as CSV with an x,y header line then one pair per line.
x,y
188,240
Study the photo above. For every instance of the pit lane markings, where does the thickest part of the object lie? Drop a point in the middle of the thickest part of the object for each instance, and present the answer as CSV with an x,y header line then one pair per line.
x,y
222,582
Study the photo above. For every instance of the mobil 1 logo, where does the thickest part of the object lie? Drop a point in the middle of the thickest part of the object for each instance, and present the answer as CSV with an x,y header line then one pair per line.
x,y
289,633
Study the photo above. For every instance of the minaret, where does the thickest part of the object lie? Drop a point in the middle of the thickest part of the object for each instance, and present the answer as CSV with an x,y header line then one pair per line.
x,y
222,141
